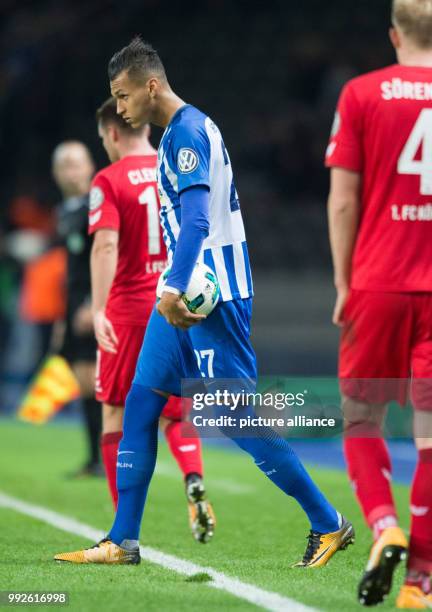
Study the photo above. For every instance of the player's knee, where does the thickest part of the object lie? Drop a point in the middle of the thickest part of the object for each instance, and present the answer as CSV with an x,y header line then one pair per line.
x,y
423,429
85,373
356,412
112,418
164,423
423,443
164,394
142,411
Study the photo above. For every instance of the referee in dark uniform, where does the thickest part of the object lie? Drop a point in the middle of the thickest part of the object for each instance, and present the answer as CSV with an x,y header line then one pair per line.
x,y
73,168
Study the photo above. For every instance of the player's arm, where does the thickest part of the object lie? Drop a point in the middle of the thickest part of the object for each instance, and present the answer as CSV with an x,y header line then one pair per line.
x,y
103,266
345,158
194,192
343,218
194,229
104,223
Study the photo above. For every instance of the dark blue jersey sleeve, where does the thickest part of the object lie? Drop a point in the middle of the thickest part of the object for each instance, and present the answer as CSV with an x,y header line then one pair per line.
x,y
193,231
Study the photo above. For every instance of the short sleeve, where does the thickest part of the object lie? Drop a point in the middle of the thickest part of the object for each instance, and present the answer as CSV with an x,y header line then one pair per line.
x,y
103,211
345,149
191,150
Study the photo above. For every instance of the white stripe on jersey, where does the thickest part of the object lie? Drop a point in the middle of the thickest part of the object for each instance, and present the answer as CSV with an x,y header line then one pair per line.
x,y
172,219
225,219
226,227
240,270
167,221
221,273
171,176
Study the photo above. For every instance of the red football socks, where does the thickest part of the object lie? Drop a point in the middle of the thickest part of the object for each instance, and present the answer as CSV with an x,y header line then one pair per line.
x,y
186,451
383,523
420,550
109,449
421,580
369,469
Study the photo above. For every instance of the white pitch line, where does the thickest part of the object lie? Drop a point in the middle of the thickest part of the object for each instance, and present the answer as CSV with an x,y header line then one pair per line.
x,y
243,590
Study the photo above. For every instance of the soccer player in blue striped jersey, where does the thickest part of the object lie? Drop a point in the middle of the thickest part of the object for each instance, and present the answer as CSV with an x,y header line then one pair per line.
x,y
201,220
192,153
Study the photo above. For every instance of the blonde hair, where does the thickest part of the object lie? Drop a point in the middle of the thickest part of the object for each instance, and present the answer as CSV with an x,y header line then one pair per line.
x,y
414,19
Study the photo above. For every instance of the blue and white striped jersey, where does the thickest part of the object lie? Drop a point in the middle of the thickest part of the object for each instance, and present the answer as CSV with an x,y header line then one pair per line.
x,y
190,153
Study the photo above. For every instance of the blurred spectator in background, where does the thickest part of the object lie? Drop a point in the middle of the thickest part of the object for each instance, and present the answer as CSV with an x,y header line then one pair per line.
x,y
276,139
73,168
26,313
42,295
43,299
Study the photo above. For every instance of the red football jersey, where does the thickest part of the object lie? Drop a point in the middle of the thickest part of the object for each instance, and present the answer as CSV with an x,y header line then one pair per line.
x,y
383,130
124,197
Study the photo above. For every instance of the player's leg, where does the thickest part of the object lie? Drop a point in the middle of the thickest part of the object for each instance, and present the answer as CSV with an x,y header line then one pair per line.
x,y
136,461
416,591
135,466
275,457
369,469
84,370
114,374
225,336
158,374
186,449
112,432
374,365
80,352
374,351
185,446
371,479
158,366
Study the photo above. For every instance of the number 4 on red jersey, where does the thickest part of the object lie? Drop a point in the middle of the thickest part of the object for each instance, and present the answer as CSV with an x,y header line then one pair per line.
x,y
383,131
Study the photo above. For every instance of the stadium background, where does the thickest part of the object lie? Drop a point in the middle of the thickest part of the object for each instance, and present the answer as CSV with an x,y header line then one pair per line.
x,y
269,74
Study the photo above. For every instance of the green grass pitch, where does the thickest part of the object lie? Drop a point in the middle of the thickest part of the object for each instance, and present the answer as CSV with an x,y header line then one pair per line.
x,y
259,534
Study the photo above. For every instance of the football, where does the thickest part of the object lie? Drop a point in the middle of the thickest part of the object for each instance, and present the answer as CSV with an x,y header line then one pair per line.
x,y
202,293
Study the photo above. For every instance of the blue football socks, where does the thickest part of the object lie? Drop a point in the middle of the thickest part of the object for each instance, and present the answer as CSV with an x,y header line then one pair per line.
x,y
279,462
137,457
136,460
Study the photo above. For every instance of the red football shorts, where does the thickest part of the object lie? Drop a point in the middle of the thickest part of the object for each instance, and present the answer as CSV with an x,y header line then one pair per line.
x,y
115,372
387,339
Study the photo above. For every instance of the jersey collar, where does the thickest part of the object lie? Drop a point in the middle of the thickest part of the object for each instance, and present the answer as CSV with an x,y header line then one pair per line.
x,y
177,114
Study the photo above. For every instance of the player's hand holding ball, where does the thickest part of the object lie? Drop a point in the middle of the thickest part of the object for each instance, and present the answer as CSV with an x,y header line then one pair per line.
x,y
175,311
199,300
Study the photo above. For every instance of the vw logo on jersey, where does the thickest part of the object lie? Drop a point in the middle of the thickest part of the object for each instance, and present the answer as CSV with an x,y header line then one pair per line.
x,y
187,160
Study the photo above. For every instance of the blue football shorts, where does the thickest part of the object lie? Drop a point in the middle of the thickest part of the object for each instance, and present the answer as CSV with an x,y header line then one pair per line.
x,y
218,347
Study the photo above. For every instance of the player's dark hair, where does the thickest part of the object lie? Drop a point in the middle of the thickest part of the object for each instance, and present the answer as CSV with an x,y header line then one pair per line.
x,y
139,59
106,114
